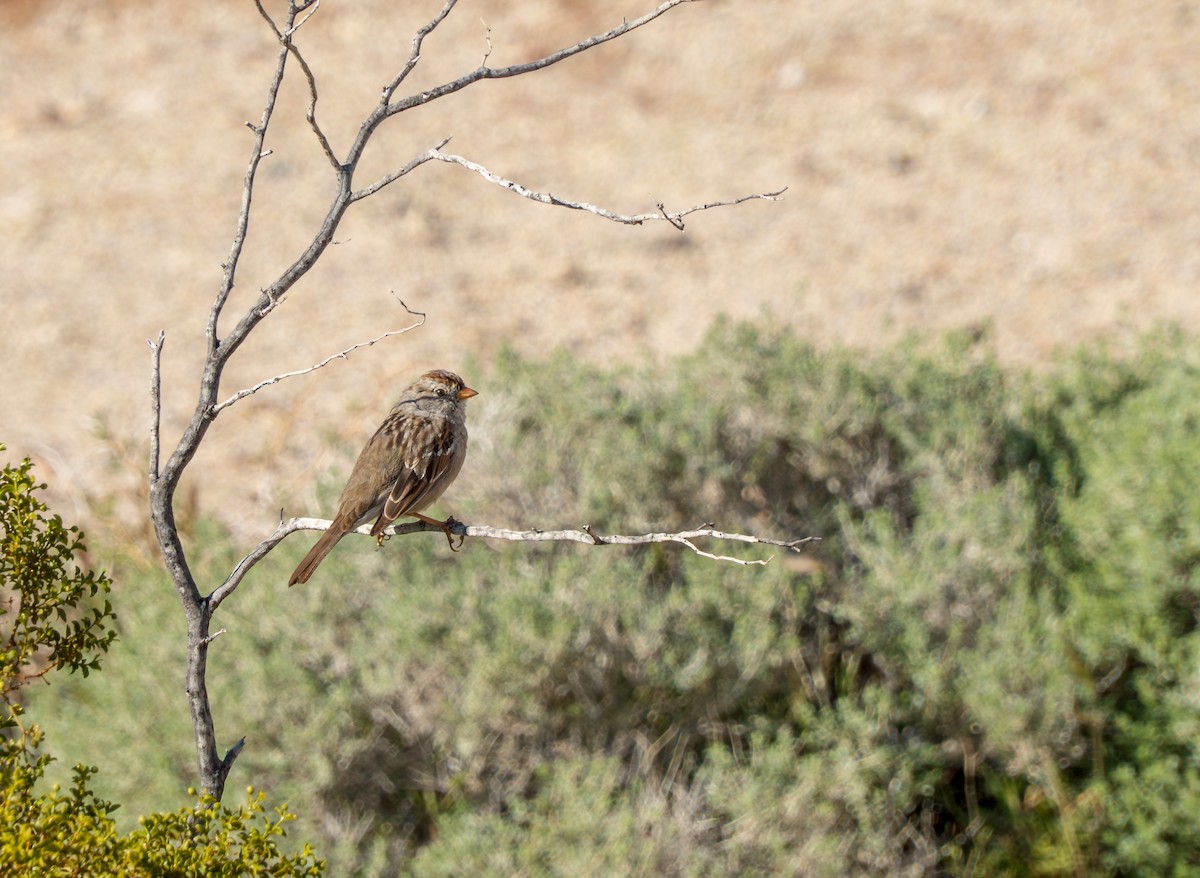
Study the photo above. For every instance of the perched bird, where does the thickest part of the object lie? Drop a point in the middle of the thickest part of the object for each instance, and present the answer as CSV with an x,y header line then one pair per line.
x,y
412,458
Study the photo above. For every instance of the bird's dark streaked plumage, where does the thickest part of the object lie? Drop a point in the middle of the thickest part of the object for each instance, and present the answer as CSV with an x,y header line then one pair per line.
x,y
413,457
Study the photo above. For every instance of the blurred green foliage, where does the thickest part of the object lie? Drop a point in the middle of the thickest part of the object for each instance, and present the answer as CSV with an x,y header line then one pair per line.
x,y
987,666
51,617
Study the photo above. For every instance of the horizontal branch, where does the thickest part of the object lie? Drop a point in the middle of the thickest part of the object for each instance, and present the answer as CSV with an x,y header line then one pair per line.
x,y
586,535
673,217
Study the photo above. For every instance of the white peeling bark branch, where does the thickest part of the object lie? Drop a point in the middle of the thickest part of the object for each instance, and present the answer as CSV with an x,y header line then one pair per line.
x,y
155,402
661,213
586,535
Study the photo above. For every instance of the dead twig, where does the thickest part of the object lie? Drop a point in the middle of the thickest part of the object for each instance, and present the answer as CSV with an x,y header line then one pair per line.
x,y
674,217
586,535
156,348
340,355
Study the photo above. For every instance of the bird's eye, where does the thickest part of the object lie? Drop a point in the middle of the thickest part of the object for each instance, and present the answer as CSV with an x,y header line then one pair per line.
x,y
441,392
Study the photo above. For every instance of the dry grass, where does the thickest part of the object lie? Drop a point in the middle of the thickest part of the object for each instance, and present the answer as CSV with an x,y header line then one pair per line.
x,y
1030,166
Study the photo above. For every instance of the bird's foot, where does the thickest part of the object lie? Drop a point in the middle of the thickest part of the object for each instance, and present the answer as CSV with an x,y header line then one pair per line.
x,y
446,528
462,538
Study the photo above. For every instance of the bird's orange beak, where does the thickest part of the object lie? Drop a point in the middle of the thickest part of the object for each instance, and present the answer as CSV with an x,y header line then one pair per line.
x,y
467,393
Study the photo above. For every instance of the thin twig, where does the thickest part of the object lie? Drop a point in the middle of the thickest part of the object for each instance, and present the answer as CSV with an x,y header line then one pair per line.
x,y
487,36
311,113
232,754
673,217
414,53
270,21
584,535
588,536
483,72
243,220
156,348
210,638
662,208
312,8
427,156
340,355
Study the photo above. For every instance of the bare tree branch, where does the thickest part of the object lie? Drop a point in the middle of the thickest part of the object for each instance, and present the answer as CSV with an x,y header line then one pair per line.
x,y
270,21
414,52
214,636
673,217
487,36
285,40
345,195
584,535
311,6
256,156
311,114
484,72
155,401
427,156
340,355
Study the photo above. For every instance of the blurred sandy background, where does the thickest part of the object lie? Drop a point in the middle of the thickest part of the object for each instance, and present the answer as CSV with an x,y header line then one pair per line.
x,y
1029,166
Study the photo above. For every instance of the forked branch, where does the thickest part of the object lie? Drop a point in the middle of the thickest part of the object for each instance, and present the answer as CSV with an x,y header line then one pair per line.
x,y
484,72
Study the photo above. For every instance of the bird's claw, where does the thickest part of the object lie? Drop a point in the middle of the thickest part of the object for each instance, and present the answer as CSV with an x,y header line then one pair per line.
x,y
447,525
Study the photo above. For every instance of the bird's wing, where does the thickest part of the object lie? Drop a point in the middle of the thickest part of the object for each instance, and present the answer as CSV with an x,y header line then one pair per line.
x,y
422,476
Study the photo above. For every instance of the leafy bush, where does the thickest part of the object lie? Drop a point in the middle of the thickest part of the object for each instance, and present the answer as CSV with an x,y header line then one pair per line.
x,y
73,834
51,620
987,666
45,623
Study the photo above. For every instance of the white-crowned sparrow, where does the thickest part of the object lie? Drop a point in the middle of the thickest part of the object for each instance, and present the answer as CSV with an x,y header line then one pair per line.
x,y
412,458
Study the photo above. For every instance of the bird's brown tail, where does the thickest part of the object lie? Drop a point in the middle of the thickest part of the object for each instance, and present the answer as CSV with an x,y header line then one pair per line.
x,y
316,555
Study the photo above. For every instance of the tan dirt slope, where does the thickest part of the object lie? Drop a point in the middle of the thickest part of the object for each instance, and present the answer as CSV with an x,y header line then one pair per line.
x,y
1029,166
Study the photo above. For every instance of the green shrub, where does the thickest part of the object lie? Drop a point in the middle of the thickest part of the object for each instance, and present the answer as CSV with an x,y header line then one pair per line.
x,y
72,833
587,817
51,620
987,666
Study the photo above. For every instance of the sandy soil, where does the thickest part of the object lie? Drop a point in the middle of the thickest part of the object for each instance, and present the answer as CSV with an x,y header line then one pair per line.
x,y
1029,166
